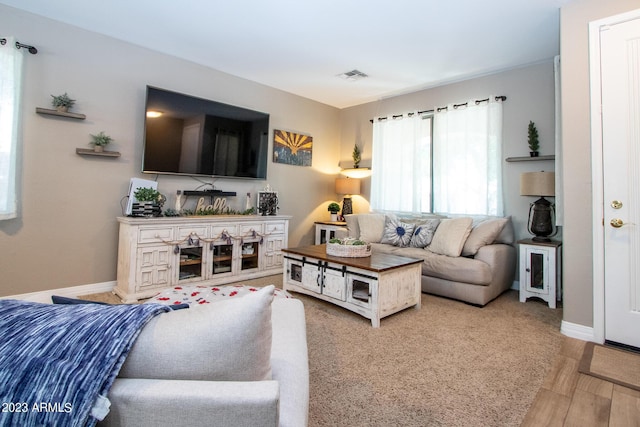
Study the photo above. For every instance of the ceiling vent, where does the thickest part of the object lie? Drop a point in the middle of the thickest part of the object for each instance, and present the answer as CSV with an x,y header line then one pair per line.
x,y
353,75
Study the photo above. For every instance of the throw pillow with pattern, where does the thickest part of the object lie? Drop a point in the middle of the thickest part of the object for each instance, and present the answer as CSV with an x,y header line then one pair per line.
x,y
396,232
423,233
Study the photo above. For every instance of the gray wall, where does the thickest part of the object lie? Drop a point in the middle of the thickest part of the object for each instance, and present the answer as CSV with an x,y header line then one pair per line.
x,y
577,246
530,96
66,233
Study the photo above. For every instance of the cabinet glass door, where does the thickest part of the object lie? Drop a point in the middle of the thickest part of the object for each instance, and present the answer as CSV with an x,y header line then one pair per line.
x,y
222,259
537,270
250,255
190,263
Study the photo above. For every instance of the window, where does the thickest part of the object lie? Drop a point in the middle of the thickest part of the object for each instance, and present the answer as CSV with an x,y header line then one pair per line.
x,y
10,90
459,173
401,163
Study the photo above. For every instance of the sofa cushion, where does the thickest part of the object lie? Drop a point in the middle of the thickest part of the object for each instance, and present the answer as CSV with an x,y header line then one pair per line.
x,y
450,236
371,227
227,340
423,233
456,269
396,232
483,233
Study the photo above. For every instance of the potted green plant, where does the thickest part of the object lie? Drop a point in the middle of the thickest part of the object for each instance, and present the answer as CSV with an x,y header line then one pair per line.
x,y
334,208
62,102
147,203
99,141
534,144
357,156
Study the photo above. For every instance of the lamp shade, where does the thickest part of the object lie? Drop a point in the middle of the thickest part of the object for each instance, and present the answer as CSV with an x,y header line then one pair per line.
x,y
347,186
538,184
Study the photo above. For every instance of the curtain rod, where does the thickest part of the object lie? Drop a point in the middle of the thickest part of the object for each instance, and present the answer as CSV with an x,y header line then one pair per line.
x,y
32,50
478,101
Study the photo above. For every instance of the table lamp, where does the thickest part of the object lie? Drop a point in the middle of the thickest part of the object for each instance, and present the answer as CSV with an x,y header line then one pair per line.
x,y
539,184
348,187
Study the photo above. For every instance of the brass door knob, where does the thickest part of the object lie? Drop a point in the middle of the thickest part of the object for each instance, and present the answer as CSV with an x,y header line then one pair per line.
x,y
617,223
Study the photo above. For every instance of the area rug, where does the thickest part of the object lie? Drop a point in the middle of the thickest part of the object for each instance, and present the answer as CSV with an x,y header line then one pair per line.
x,y
611,364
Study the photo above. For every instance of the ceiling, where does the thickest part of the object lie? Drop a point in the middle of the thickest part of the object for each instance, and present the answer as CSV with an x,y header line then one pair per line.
x,y
303,46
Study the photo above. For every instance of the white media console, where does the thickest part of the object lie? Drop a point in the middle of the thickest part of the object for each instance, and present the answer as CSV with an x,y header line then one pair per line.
x,y
156,253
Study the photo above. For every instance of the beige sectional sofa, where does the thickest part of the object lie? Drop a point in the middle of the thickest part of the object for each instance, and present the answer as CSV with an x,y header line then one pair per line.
x,y
464,258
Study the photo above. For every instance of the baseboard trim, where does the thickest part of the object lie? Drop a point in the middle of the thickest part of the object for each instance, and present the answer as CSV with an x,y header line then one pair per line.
x,y
71,292
581,332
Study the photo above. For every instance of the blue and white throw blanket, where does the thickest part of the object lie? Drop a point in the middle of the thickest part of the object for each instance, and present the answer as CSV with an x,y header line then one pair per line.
x,y
58,362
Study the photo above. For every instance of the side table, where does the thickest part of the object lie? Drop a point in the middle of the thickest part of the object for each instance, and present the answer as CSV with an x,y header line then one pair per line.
x,y
541,270
327,230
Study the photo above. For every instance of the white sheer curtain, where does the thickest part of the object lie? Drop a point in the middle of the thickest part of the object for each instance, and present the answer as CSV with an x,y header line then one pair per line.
x,y
467,164
401,164
10,94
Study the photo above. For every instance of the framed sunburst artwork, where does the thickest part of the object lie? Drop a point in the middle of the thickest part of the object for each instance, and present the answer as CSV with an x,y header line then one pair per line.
x,y
292,148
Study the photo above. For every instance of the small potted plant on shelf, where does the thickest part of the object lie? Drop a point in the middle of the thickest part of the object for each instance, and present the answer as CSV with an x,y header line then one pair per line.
x,y
148,202
357,156
334,208
99,141
534,144
62,103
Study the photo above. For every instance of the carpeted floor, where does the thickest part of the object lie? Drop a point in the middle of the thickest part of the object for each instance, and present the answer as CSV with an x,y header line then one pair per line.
x,y
447,364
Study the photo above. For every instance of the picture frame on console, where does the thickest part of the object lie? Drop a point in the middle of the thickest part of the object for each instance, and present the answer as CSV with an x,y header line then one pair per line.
x,y
267,203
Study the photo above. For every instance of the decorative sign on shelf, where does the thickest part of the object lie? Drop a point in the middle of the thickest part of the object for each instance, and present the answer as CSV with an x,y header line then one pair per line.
x,y
268,202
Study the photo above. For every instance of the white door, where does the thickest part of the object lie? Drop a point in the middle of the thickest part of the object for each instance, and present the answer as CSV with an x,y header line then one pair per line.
x,y
620,89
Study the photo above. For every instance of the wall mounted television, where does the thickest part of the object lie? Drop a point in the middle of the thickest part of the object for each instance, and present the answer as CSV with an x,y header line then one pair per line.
x,y
198,137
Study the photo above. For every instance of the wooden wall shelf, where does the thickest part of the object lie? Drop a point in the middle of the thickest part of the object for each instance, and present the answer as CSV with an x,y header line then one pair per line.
x,y
530,159
49,112
89,152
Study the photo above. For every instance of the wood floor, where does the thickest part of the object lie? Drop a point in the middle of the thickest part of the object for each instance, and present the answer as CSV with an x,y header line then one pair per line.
x,y
569,398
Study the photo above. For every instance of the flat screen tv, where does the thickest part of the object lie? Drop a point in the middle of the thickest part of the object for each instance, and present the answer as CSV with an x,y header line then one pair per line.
x,y
197,137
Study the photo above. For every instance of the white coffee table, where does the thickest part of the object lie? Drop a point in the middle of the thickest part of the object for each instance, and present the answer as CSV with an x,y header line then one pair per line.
x,y
374,287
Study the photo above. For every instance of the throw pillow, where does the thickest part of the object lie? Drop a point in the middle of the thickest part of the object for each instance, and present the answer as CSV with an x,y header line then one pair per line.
x,y
56,299
227,340
396,232
508,234
450,236
371,227
484,233
423,233
352,225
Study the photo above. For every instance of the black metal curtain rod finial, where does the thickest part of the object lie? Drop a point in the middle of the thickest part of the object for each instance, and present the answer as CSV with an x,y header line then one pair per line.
x,y
32,50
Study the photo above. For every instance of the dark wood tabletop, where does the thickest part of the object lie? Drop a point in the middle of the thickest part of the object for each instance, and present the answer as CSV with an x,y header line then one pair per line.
x,y
375,262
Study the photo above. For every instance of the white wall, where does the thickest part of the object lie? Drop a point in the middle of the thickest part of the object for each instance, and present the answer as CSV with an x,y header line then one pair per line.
x,y
66,233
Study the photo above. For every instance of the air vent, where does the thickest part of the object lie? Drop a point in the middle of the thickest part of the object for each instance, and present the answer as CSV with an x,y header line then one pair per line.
x,y
353,75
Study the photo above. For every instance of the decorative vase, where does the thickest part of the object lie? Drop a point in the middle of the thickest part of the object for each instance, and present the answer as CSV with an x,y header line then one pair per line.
x,y
334,217
62,109
98,148
533,153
